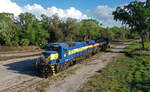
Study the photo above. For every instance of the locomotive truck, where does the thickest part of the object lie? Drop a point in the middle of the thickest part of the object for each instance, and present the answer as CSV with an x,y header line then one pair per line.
x,y
59,56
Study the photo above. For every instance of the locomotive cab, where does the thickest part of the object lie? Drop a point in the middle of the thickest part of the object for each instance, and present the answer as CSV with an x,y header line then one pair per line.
x,y
55,52
51,54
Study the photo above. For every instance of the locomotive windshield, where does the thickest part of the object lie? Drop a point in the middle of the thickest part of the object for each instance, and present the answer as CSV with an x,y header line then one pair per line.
x,y
52,49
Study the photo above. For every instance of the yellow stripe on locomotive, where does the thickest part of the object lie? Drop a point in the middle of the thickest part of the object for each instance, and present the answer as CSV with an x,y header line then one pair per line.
x,y
52,57
79,49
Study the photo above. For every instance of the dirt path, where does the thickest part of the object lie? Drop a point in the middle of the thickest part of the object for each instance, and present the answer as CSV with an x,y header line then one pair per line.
x,y
75,81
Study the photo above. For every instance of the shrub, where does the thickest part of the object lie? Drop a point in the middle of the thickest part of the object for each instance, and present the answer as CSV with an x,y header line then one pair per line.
x,y
25,42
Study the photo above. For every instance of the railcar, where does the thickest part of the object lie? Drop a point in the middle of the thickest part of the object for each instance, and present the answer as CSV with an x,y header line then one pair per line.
x,y
59,56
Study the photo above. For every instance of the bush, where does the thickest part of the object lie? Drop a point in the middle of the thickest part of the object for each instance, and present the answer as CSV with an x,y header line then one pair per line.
x,y
24,42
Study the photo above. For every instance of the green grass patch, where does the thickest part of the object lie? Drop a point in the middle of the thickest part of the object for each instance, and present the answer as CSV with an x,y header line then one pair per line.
x,y
135,50
4,57
126,74
125,40
136,46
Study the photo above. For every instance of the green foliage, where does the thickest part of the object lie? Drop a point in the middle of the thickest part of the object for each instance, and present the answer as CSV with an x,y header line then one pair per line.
x,y
89,29
107,33
134,15
135,48
8,31
123,75
24,42
28,30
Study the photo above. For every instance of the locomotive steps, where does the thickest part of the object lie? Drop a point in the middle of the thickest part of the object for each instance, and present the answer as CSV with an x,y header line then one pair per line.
x,y
19,74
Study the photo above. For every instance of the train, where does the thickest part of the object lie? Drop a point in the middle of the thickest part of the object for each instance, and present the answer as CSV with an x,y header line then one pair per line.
x,y
59,56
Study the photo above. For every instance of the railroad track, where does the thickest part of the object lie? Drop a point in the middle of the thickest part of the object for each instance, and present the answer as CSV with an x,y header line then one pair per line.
x,y
14,52
18,73
24,86
23,56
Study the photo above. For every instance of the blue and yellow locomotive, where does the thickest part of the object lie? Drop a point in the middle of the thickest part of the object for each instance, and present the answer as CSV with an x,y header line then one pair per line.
x,y
59,56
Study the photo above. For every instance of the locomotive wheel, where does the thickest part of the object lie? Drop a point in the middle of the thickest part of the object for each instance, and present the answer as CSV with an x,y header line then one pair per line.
x,y
74,62
44,70
71,63
103,48
58,68
67,65
62,67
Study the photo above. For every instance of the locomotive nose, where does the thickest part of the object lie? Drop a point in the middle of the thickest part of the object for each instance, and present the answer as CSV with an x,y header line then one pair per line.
x,y
49,56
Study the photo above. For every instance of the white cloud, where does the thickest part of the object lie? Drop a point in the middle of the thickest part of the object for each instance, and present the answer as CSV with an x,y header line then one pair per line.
x,y
71,12
34,9
12,7
104,14
142,0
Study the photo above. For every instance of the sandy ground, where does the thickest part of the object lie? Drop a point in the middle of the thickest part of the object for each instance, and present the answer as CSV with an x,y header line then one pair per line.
x,y
16,71
74,83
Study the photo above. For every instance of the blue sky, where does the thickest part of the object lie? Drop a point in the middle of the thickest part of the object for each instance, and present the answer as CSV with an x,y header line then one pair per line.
x,y
82,5
79,9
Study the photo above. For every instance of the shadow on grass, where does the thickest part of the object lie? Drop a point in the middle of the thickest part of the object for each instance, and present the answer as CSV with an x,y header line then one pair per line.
x,y
135,53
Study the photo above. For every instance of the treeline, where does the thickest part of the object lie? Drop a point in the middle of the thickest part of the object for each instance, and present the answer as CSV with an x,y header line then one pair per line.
x,y
26,30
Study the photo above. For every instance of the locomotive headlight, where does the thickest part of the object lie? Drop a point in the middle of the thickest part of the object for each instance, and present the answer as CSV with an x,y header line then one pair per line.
x,y
47,59
44,59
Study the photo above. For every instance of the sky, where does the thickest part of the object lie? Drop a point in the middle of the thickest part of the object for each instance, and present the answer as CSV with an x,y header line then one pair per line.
x,y
100,10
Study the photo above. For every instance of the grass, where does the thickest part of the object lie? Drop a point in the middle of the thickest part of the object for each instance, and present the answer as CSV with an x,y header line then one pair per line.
x,y
126,74
135,50
136,46
18,48
4,57
125,40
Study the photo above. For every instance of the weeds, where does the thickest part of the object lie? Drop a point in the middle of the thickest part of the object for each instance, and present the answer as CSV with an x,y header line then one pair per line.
x,y
126,74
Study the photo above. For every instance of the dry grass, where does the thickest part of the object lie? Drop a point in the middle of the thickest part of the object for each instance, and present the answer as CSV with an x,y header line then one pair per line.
x,y
4,57
18,48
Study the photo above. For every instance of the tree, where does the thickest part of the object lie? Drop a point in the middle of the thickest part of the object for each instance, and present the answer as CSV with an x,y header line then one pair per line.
x,y
55,29
70,29
33,32
89,29
147,2
134,15
147,21
107,33
8,30
27,18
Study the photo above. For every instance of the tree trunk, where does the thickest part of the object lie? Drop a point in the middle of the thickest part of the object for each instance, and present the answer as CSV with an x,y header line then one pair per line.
x,y
142,41
147,36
